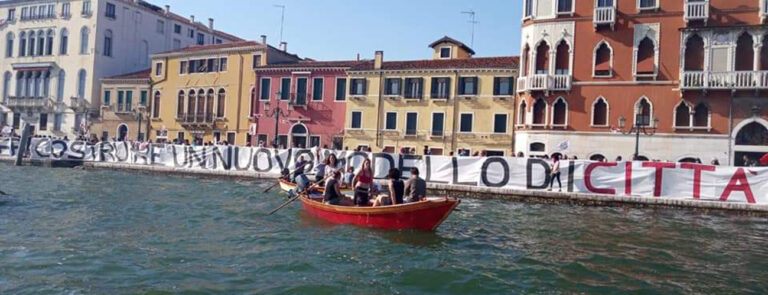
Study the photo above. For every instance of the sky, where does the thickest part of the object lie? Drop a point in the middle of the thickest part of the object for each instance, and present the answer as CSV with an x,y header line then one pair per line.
x,y
341,29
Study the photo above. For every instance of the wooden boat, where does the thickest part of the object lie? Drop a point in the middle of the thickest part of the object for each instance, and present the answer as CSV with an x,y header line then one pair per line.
x,y
288,186
425,215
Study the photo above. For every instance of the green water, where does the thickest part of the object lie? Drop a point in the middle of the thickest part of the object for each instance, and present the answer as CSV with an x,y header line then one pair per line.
x,y
104,232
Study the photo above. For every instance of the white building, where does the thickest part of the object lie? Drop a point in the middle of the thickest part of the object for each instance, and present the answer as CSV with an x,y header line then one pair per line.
x,y
54,53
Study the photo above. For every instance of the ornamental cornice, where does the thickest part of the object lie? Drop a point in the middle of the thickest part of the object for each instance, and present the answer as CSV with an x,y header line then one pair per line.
x,y
435,71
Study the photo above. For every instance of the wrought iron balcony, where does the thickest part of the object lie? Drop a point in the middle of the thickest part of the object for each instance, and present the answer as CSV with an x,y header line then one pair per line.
x,y
696,10
738,80
604,16
544,82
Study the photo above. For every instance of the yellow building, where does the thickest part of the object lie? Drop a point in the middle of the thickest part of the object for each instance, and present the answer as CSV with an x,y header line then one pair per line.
x,y
453,103
205,92
124,106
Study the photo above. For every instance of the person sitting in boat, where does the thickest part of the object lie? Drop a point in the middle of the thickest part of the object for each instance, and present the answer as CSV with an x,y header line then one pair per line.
x,y
415,187
285,174
396,190
299,170
332,164
320,171
332,194
349,176
362,183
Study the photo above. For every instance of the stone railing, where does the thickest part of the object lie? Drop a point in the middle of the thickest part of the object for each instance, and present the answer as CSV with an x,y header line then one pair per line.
x,y
544,82
604,16
739,80
698,10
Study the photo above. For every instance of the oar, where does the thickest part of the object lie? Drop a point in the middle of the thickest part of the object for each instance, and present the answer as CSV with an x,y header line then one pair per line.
x,y
278,182
297,196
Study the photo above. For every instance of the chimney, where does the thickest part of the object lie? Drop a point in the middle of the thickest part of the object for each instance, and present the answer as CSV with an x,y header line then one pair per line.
x,y
192,18
264,39
210,23
284,46
167,9
378,60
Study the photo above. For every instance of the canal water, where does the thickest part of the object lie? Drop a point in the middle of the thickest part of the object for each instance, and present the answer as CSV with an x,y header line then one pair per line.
x,y
66,231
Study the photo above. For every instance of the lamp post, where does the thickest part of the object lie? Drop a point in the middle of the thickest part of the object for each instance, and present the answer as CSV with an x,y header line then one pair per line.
x,y
277,113
139,112
643,123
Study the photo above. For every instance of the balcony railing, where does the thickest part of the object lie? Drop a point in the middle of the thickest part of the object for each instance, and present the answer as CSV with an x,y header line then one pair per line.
x,y
29,103
738,80
698,10
604,16
78,104
544,82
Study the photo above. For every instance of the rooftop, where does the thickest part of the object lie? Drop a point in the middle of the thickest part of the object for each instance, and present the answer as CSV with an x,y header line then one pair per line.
x,y
469,63
143,74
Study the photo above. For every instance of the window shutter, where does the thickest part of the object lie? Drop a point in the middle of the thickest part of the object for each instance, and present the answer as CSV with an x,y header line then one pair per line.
x,y
433,93
496,85
477,85
512,85
420,88
448,87
365,86
401,82
461,85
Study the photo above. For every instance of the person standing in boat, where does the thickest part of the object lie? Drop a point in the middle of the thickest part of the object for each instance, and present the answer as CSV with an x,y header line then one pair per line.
x,y
396,190
362,183
415,187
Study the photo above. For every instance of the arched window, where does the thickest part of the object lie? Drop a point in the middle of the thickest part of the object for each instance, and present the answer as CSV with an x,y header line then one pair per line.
x,y
40,42
522,113
563,59
694,54
526,60
646,63
299,129
220,103
9,45
600,112
764,55
6,85
81,83
31,47
49,43
64,43
46,84
180,104
209,104
701,115
191,103
84,36
560,113
60,86
752,134
603,60
20,83
201,102
745,54
682,115
542,58
108,43
643,112
156,103
539,112
22,44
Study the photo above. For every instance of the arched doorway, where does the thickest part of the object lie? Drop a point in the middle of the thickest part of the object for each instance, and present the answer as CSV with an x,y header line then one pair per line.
x,y
750,142
122,132
299,136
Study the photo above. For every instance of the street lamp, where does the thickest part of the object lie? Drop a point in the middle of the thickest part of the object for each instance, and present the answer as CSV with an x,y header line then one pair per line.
x,y
139,112
277,113
642,124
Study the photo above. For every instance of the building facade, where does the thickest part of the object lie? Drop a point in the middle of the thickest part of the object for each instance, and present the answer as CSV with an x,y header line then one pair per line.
x,y
124,104
56,52
691,73
204,92
300,104
452,103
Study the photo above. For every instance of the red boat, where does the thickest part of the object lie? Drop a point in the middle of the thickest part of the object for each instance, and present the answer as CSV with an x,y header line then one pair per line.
x,y
426,215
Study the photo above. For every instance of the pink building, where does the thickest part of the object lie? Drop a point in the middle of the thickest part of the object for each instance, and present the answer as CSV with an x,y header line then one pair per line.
x,y
309,100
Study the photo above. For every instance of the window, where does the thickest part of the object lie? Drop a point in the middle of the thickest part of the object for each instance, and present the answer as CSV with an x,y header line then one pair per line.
x,y
183,65
643,112
411,123
65,10
81,84
600,112
31,47
563,58
438,122
223,64
41,43
465,122
57,120
221,100
391,121
179,104
468,86
107,97
414,88
317,89
282,141
60,86
392,86
301,91
87,8
745,53
645,58
542,59
143,98
177,29
701,116
285,88
108,43
128,100
564,6
110,12
64,42
43,121
357,86
528,8
200,39
160,27
441,88
11,14
261,139
503,86
156,104
445,52
264,89
158,69
539,112
341,89
9,45
209,111
176,44
522,112
191,33
120,100
357,120
647,4
603,59
22,44
500,123
256,60
694,54
84,32
560,113
682,115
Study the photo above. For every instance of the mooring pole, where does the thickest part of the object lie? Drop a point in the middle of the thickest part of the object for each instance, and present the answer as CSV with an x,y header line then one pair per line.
x,y
23,145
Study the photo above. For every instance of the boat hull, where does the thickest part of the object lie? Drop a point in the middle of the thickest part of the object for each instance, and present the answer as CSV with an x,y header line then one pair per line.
x,y
426,215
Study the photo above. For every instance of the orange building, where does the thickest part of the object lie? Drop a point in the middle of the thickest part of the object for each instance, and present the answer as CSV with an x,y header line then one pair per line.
x,y
691,73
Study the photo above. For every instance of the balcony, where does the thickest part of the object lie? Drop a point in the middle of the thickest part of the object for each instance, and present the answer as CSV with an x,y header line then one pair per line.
x,y
604,16
696,10
738,80
79,105
544,82
29,104
196,121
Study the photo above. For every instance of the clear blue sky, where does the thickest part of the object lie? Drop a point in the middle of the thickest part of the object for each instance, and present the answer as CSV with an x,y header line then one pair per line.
x,y
340,29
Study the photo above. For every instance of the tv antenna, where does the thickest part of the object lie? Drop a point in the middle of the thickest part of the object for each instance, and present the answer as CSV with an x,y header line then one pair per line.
x,y
471,14
282,19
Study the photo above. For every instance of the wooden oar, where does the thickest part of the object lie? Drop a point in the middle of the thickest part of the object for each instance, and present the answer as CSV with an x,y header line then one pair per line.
x,y
297,196
278,182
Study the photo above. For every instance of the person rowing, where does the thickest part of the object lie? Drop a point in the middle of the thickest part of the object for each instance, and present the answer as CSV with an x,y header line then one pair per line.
x,y
332,194
362,183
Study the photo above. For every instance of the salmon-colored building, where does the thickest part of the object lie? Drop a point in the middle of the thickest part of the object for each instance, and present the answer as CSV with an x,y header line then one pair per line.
x,y
305,100
692,73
